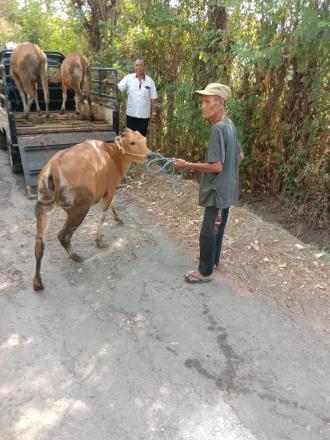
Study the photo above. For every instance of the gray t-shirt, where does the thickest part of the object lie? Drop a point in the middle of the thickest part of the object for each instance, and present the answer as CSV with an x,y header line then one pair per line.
x,y
221,189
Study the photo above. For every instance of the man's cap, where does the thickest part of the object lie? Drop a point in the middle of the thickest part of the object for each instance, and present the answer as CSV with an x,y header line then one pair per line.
x,y
215,89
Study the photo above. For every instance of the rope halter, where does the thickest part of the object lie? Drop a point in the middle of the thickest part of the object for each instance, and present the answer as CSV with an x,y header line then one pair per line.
x,y
119,145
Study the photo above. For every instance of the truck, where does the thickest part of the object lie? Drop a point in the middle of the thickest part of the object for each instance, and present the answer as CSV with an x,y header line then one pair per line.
x,y
31,142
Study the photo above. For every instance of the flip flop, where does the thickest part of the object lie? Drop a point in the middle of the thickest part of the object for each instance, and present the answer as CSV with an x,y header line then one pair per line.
x,y
196,278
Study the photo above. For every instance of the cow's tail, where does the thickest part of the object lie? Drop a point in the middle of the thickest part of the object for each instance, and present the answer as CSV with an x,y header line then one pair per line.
x,y
87,81
46,190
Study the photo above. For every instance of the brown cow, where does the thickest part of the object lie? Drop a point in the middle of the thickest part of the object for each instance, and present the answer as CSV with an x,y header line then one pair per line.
x,y
29,65
73,72
77,178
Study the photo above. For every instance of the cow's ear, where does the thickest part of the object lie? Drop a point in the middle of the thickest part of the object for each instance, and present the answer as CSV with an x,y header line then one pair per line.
x,y
127,130
119,143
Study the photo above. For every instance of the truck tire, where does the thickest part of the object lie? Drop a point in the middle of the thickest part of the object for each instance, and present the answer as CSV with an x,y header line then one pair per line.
x,y
16,167
3,141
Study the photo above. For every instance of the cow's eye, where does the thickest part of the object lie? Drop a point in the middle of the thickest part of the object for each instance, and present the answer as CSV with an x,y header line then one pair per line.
x,y
132,143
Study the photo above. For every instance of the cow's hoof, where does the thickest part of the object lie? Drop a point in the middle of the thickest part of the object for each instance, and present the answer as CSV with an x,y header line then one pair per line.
x,y
47,115
119,221
100,244
37,284
76,257
62,112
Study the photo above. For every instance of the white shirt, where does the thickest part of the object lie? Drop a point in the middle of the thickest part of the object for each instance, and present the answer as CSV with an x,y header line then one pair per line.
x,y
139,93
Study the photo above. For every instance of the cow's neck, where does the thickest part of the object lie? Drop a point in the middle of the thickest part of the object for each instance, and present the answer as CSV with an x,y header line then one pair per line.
x,y
121,161
126,163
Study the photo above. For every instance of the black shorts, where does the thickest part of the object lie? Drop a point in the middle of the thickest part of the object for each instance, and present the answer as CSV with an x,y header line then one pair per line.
x,y
137,124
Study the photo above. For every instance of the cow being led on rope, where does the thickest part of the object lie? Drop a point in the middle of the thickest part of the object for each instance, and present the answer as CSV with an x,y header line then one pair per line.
x,y
77,178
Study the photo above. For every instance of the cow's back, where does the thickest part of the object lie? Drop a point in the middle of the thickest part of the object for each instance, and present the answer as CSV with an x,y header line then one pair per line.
x,y
73,69
28,61
80,173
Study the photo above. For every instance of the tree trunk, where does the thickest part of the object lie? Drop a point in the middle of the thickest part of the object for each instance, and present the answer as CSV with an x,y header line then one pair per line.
x,y
94,13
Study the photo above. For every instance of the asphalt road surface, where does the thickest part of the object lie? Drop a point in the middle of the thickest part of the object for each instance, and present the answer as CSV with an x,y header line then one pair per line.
x,y
119,347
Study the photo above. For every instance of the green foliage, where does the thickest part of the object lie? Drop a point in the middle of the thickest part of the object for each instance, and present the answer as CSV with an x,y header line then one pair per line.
x,y
46,24
8,29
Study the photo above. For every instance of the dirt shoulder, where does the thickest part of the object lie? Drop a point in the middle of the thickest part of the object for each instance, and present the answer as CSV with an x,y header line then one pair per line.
x,y
259,258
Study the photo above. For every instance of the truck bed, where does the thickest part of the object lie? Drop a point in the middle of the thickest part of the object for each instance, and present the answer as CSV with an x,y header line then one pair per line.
x,y
40,137
57,123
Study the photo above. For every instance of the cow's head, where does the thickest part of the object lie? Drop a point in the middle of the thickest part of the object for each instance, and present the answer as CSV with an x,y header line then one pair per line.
x,y
56,77
134,145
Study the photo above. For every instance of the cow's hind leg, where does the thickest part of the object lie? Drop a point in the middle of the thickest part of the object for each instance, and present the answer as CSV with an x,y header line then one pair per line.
x,y
103,210
115,214
34,91
20,87
73,221
79,100
31,95
42,213
87,85
64,97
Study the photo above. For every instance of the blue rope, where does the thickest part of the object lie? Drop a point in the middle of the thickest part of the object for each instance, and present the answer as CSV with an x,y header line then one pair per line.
x,y
167,168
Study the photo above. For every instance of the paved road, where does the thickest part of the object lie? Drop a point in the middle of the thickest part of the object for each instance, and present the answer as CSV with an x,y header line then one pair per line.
x,y
120,348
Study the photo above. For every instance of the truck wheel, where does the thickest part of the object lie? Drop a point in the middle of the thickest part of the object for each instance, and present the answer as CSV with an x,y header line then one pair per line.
x,y
15,167
3,141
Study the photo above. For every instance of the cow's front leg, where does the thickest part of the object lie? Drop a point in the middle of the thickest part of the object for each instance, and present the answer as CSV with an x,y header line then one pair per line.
x,y
103,210
73,221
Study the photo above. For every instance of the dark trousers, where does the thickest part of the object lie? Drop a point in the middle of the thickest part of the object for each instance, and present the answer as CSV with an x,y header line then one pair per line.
x,y
137,124
210,242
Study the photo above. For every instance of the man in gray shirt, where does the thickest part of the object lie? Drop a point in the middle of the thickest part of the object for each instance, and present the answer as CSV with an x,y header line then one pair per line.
x,y
219,185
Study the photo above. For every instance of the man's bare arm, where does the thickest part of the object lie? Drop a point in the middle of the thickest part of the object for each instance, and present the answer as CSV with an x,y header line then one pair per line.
x,y
208,167
111,83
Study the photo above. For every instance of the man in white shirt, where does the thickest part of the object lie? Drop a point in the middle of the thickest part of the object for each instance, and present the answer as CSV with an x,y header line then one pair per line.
x,y
142,96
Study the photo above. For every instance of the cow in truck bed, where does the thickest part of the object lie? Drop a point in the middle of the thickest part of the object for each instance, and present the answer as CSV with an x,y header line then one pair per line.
x,y
29,65
72,73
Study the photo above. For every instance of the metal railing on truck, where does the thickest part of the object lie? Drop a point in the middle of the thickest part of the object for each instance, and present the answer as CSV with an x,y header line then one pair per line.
x,y
98,90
